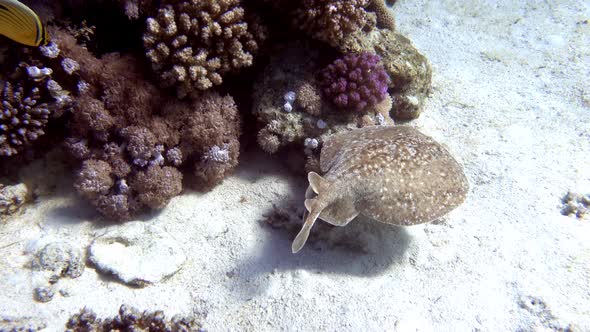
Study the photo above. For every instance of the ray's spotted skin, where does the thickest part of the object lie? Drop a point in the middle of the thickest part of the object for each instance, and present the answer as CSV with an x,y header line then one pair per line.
x,y
393,174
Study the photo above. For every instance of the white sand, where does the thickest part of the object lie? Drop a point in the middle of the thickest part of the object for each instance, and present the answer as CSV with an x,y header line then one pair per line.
x,y
511,101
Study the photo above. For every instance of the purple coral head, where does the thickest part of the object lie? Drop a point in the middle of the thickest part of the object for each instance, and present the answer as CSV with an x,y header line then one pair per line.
x,y
355,81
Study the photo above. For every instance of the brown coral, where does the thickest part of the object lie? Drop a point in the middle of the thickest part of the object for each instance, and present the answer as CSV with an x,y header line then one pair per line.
x,y
94,179
385,19
157,185
192,44
210,128
30,97
332,20
145,137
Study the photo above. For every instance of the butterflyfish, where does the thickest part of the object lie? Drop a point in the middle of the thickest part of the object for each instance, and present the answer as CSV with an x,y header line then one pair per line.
x,y
20,23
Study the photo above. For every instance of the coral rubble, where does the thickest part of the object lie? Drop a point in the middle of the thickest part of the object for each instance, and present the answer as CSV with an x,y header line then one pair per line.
x,y
576,205
12,198
51,263
130,319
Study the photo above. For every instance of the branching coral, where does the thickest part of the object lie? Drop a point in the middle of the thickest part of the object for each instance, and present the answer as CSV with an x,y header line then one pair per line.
x,y
332,20
385,19
30,97
192,44
355,81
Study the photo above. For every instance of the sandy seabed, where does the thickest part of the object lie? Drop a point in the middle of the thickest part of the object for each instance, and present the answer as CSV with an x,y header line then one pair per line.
x,y
511,101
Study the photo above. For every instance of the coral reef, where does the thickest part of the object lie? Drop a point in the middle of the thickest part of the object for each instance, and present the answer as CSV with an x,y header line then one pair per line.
x,y
130,319
192,44
409,70
134,146
356,26
133,141
12,198
355,81
289,107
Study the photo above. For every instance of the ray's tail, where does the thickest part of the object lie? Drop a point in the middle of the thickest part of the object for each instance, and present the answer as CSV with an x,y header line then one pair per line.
x,y
315,208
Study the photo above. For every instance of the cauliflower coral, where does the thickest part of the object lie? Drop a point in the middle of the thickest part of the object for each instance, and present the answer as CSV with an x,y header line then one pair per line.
x,y
133,142
355,81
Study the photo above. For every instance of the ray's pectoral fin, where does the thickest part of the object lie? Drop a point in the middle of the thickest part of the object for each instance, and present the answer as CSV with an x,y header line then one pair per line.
x,y
339,213
314,207
317,183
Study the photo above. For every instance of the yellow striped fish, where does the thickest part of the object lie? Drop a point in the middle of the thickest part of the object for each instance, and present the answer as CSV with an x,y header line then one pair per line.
x,y
20,23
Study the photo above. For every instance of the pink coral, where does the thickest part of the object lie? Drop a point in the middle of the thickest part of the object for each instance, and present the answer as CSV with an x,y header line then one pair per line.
x,y
355,81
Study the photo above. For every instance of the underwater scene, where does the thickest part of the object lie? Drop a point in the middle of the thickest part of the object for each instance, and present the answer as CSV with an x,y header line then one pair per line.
x,y
294,165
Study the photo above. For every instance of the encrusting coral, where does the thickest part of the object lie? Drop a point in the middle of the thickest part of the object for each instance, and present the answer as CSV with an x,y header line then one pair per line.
x,y
130,319
192,44
133,142
355,81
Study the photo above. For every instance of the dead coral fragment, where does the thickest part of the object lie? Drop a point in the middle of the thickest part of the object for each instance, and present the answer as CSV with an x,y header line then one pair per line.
x,y
130,319
192,44
576,205
12,198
